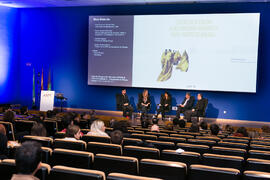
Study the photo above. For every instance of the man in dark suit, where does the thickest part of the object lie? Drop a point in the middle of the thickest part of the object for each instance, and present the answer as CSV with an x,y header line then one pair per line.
x,y
198,110
186,104
165,104
124,102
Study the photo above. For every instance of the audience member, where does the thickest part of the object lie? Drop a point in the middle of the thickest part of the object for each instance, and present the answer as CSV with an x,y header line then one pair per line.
x,y
155,127
168,125
98,129
241,132
38,129
9,116
73,132
28,161
214,128
204,125
229,129
182,123
117,137
3,142
24,110
194,128
122,126
145,123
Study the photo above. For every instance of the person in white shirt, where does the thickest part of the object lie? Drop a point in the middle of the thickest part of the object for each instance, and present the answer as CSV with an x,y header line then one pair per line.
x,y
73,132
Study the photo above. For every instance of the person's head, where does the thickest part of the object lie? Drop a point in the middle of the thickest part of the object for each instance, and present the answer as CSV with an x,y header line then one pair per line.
x,y
121,126
145,93
155,121
265,129
2,129
9,116
50,114
204,125
23,109
145,124
124,91
168,125
73,131
166,95
214,128
28,158
229,129
243,131
97,126
194,127
116,137
67,120
182,123
38,129
199,96
187,95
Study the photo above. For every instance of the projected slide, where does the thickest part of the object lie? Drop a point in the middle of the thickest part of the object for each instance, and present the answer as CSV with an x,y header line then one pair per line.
x,y
216,52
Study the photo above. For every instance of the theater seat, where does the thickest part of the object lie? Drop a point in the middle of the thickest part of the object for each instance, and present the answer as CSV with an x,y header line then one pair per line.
x,y
111,163
24,125
8,168
104,148
194,148
259,147
60,135
69,173
172,139
144,136
161,145
91,138
186,157
225,161
51,127
211,138
233,145
209,143
157,134
244,141
70,144
255,175
120,176
9,130
131,141
141,152
44,141
182,136
259,154
46,155
72,158
198,172
229,151
163,169
258,165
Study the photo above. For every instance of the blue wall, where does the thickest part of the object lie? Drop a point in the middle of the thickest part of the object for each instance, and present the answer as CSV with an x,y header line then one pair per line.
x,y
9,55
57,38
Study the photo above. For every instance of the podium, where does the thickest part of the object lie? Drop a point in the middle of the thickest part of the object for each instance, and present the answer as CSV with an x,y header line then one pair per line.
x,y
60,96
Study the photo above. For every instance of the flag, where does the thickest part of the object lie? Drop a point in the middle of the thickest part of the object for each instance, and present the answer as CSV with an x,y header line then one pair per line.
x,y
34,96
49,86
41,80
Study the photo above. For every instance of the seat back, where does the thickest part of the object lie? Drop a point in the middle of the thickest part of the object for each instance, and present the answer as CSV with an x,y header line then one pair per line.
x,y
158,134
24,125
51,127
91,138
255,175
69,173
144,136
186,157
259,147
172,139
257,154
9,130
233,145
111,163
225,161
211,138
258,165
120,176
163,169
229,151
70,144
244,141
131,141
212,173
194,148
161,145
44,141
59,135
72,158
46,155
8,168
104,148
202,142
141,152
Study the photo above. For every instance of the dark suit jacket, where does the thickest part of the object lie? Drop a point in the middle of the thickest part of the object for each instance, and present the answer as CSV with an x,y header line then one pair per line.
x,y
200,106
189,103
123,99
164,101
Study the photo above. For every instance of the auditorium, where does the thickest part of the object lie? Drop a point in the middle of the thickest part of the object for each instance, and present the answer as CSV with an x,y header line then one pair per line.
x,y
134,89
